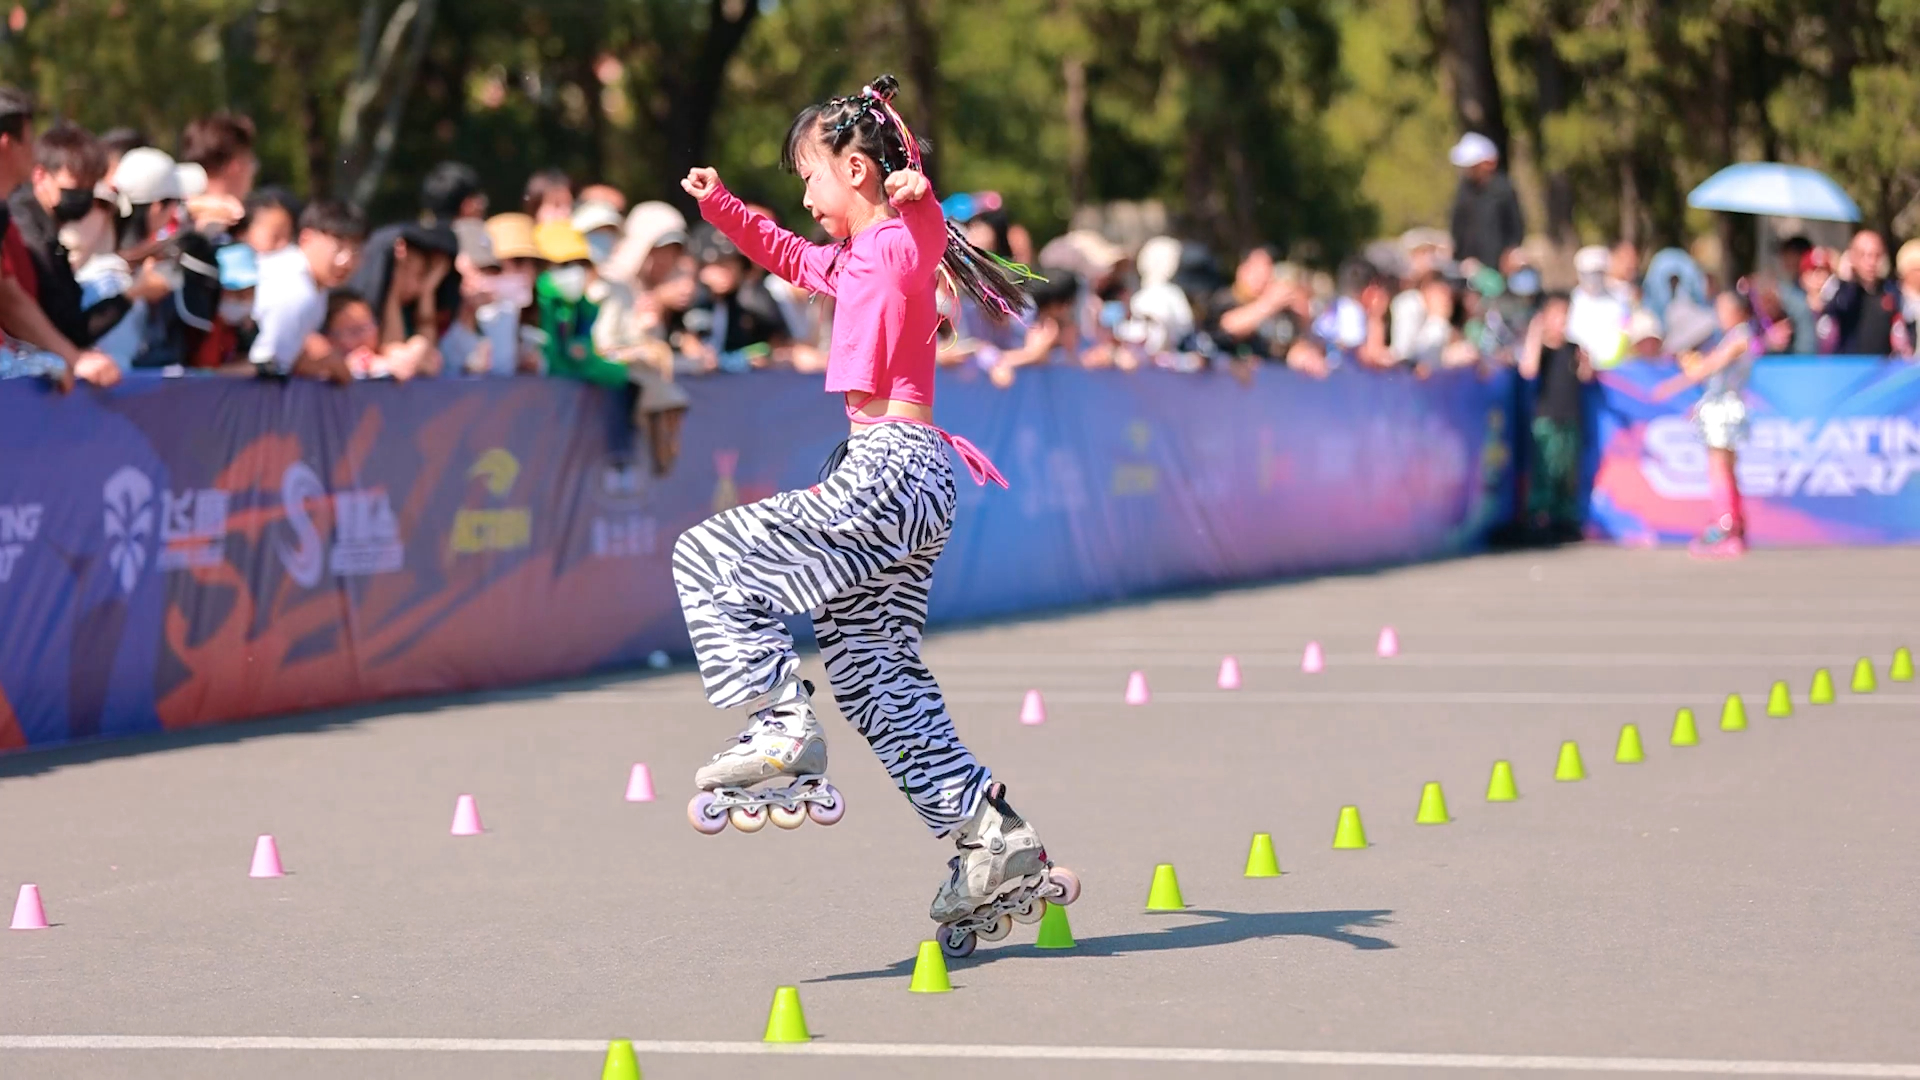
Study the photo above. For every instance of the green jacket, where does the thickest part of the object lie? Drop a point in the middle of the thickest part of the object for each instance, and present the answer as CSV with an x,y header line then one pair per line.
x,y
569,350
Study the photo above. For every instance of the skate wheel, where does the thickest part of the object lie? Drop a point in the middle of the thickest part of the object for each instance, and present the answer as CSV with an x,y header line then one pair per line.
x,y
1001,928
826,813
748,819
703,817
1067,882
787,819
1030,912
957,944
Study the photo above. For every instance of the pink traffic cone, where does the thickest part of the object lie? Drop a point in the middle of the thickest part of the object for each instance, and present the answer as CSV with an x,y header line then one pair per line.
x,y
27,912
1389,643
266,859
640,783
1033,710
1137,689
466,817
1315,661
1229,674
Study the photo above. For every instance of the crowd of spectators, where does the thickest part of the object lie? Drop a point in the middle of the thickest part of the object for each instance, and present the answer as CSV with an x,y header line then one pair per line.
x,y
117,256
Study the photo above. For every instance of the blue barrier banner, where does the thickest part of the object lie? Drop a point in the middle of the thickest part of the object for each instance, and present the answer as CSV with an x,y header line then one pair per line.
x,y
184,552
1831,448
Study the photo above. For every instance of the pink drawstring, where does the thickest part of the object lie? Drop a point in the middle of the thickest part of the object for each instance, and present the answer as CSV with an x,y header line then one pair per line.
x,y
979,465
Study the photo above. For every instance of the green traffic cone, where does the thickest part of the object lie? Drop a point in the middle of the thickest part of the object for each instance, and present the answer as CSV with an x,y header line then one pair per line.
x,y
786,1023
620,1062
1902,669
1165,893
1500,786
1054,931
1822,692
1628,751
1863,676
1779,701
930,970
1569,767
1261,861
1433,806
1684,731
1349,835
1733,715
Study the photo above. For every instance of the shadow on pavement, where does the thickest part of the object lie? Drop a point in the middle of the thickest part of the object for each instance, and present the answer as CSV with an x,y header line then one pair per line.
x,y
1221,928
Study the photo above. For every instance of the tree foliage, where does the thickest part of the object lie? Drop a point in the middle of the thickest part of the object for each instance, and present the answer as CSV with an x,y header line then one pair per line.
x,y
1311,124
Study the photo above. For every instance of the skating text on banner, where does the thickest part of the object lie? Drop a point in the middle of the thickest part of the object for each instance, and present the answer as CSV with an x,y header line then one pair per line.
x,y
183,552
1830,457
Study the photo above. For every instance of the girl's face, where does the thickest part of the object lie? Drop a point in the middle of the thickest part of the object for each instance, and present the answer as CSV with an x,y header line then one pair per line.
x,y
353,328
836,185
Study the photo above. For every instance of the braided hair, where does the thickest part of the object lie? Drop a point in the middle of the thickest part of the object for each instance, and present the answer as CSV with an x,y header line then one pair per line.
x,y
867,123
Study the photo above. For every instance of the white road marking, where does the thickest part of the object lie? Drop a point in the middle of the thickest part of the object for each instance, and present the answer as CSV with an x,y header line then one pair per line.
x,y
1139,1054
1675,698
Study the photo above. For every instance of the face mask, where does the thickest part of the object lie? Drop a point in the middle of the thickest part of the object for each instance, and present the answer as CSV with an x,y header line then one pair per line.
x,y
512,289
568,282
600,245
73,205
235,312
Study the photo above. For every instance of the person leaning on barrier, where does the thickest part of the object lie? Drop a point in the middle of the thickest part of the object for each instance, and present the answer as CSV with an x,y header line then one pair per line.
x,y
42,350
290,301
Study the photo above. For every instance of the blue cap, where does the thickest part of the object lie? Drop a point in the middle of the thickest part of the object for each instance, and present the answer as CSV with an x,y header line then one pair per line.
x,y
958,207
239,267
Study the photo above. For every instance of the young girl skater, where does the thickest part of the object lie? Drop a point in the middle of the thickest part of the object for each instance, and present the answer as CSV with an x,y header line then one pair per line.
x,y
857,549
1752,321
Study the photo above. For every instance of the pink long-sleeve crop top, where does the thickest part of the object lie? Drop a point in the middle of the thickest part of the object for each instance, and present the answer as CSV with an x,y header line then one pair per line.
x,y
882,282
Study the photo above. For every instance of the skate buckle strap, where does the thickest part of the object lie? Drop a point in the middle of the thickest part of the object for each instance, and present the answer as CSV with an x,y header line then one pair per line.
x,y
979,466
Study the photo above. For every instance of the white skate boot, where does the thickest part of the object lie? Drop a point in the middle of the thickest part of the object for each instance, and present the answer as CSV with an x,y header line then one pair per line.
x,y
1001,876
782,740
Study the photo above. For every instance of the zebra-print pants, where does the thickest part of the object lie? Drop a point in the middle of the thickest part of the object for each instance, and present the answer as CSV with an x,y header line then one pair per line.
x,y
857,551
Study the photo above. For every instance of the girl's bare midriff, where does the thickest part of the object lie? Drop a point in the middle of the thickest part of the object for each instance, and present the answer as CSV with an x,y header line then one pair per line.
x,y
906,410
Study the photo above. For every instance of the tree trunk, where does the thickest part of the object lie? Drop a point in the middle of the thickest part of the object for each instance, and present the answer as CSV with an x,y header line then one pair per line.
x,y
1550,78
1629,200
1466,56
368,181
1073,71
923,58
693,91
379,68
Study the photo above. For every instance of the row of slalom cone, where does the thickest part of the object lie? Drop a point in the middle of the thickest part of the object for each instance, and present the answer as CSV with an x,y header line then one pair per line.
x,y
1033,708
29,910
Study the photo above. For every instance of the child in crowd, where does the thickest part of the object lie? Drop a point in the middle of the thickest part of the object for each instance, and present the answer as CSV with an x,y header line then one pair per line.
x,y
1560,370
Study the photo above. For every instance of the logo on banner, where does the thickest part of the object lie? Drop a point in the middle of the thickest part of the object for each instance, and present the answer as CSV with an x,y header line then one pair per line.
x,y
507,528
366,535
1136,477
1783,457
128,495
193,528
19,525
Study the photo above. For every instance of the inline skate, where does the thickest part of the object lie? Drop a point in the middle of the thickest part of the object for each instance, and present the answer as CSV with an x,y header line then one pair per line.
x,y
1001,876
784,739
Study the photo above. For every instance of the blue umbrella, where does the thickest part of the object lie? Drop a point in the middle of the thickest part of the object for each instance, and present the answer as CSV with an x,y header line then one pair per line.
x,y
1768,187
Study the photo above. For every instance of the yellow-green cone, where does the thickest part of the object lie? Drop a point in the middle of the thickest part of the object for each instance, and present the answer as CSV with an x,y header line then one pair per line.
x,y
1433,806
620,1062
1054,931
786,1023
1500,785
1733,716
1165,893
1863,676
1628,751
1569,767
1902,669
1684,732
929,971
1779,701
1822,692
1261,861
1349,835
